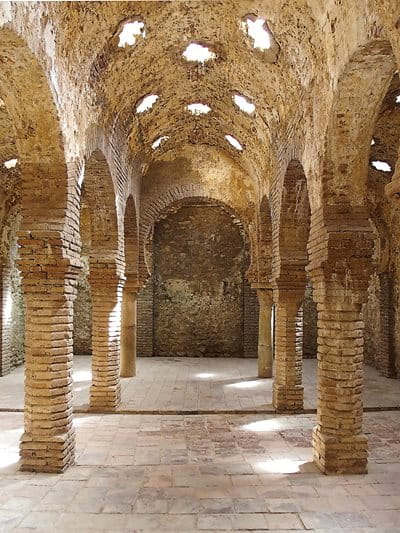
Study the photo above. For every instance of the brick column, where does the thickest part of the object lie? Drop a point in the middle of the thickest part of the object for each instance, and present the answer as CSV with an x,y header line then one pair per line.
x,y
144,320
338,441
288,392
128,329
341,248
48,283
106,289
265,352
5,309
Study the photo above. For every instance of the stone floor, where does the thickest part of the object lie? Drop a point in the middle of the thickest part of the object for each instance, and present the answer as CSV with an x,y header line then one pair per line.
x,y
204,385
187,473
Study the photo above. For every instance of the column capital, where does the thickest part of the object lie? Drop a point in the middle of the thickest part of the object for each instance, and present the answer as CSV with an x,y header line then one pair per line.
x,y
265,296
286,296
132,284
104,275
261,285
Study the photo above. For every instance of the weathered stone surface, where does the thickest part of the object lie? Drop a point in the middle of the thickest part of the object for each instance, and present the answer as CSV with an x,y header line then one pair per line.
x,y
199,265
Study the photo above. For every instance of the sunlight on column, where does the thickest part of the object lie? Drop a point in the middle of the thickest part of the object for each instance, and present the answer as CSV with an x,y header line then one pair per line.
x,y
115,319
7,307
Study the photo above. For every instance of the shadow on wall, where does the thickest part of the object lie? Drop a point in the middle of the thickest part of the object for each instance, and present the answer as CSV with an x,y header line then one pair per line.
x,y
83,313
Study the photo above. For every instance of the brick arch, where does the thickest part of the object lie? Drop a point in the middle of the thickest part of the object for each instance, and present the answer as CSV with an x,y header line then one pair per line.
x,y
291,229
48,257
99,197
152,211
360,91
46,189
131,246
106,267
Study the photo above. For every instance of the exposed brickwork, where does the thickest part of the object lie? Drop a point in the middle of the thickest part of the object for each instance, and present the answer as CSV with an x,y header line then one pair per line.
x,y
68,111
106,283
385,358
250,321
289,280
83,312
145,334
105,393
340,286
288,390
5,304
309,325
131,288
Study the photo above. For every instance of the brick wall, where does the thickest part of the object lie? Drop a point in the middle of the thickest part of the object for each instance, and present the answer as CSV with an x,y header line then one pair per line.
x,y
144,331
250,321
309,326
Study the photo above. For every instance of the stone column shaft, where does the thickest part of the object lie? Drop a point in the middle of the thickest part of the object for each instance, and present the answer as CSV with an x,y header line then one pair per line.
x,y
128,330
288,392
265,351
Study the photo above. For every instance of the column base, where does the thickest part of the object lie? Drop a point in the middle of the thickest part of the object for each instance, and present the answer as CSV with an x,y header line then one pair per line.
x,y
128,373
265,372
105,398
5,368
340,455
47,453
288,398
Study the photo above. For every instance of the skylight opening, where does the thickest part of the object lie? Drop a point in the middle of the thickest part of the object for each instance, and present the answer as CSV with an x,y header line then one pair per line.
x,y
198,53
146,103
11,163
161,140
130,32
199,109
398,99
373,142
381,166
234,142
244,104
258,31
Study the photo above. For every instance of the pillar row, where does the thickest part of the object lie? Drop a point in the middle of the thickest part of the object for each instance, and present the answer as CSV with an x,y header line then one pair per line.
x,y
106,289
265,349
128,328
288,392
